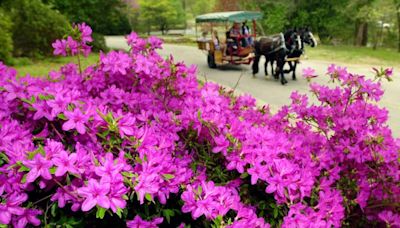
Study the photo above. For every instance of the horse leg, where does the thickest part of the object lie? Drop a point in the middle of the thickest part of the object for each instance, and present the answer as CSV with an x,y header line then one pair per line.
x,y
294,71
255,64
266,66
272,66
280,63
277,70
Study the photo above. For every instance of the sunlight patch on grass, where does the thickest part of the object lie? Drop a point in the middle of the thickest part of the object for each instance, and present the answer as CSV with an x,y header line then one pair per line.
x,y
41,68
354,55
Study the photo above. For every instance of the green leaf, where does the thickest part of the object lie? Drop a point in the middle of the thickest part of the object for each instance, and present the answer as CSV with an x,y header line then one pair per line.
x,y
138,160
23,180
168,213
244,175
45,97
26,101
71,107
4,157
100,212
148,197
275,212
53,170
199,114
62,116
23,168
218,220
119,212
127,174
168,176
53,210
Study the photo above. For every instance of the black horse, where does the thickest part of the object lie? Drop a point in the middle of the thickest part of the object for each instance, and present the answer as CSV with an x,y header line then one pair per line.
x,y
274,48
306,37
292,42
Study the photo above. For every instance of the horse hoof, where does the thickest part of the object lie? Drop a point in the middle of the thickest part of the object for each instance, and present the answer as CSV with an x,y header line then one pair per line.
x,y
254,75
294,79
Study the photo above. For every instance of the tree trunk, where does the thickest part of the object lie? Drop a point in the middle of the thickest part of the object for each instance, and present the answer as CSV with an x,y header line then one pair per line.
x,y
378,38
356,28
364,40
361,34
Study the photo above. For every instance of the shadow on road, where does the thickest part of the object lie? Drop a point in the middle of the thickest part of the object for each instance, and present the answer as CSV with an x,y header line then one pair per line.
x,y
230,67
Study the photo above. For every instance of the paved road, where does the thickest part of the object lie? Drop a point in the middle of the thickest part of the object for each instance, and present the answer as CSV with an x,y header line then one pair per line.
x,y
266,89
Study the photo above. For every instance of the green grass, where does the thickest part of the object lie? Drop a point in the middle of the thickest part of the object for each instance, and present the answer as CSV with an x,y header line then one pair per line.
x,y
355,55
40,68
339,53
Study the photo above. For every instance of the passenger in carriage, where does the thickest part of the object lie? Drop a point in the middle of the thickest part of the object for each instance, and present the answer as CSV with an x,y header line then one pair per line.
x,y
233,37
217,42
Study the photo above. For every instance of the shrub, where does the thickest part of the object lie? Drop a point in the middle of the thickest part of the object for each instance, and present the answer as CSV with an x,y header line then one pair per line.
x,y
106,17
99,43
6,44
135,140
35,27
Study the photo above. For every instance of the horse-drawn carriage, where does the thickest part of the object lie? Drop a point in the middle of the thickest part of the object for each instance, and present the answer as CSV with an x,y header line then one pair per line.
x,y
233,50
282,48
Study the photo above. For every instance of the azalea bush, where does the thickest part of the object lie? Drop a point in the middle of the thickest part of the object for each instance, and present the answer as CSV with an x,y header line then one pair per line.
x,y
136,141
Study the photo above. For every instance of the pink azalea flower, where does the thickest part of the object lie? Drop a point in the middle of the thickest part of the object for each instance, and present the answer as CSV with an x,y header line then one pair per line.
x,y
12,207
391,219
29,217
126,125
138,222
42,110
136,43
155,43
73,46
309,73
116,194
39,166
76,120
116,62
86,32
95,193
60,47
65,163
58,104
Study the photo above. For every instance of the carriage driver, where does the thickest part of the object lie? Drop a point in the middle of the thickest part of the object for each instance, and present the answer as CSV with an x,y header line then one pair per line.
x,y
247,40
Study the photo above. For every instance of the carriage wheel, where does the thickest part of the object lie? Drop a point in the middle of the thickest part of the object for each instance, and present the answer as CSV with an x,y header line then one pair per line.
x,y
211,61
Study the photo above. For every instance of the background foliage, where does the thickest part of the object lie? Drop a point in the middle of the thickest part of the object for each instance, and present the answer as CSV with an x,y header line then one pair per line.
x,y
6,44
104,16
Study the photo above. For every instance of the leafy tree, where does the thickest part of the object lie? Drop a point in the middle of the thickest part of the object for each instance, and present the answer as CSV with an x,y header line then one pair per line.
x,y
227,5
104,16
36,26
275,14
161,13
361,13
198,7
6,44
397,4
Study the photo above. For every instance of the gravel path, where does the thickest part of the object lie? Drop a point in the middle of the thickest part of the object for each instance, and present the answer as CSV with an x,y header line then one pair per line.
x,y
266,89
